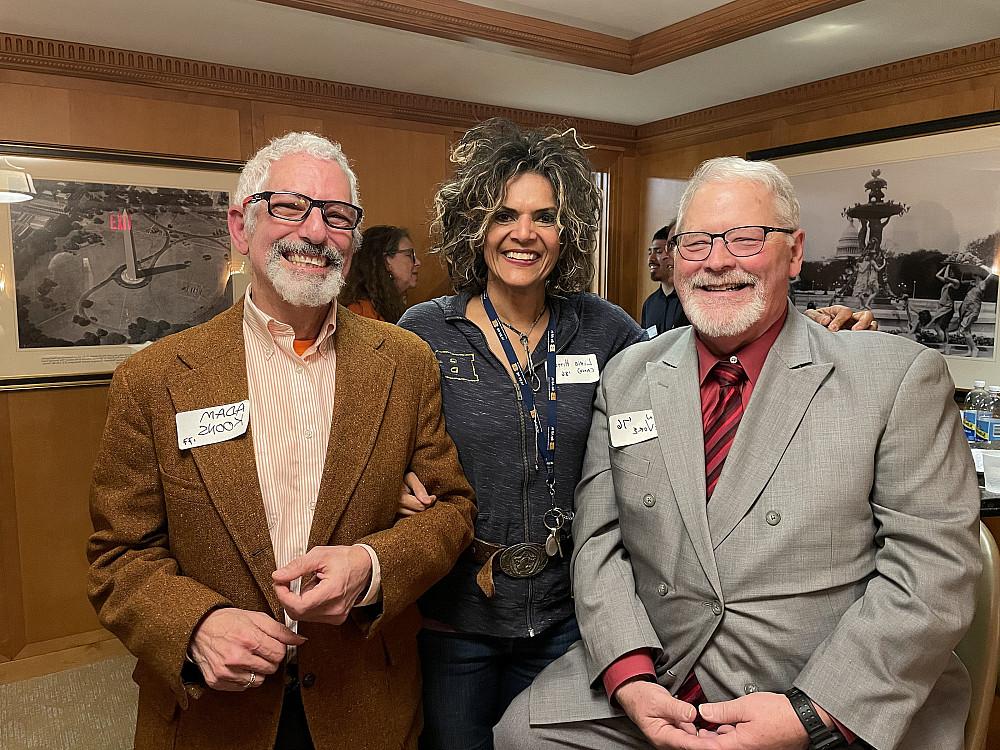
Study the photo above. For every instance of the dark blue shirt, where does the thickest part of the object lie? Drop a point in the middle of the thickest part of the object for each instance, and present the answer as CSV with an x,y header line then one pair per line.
x,y
496,445
663,311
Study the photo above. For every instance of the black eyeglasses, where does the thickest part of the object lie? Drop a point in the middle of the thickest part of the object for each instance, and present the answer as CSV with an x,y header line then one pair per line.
x,y
411,252
740,241
296,207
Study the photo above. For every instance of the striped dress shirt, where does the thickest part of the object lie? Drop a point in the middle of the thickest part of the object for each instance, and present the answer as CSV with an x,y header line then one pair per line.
x,y
291,410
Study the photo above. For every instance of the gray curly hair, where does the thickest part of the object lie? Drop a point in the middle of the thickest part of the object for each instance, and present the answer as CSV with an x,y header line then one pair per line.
x,y
486,158
254,175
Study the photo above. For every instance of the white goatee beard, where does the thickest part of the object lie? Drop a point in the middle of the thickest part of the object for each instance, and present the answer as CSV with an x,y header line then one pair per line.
x,y
307,289
723,320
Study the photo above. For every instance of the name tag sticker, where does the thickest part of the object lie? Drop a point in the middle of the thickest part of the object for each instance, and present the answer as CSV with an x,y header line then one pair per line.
x,y
651,332
577,368
631,428
212,425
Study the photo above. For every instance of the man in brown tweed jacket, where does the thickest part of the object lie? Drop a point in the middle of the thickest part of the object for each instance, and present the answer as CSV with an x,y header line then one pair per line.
x,y
257,569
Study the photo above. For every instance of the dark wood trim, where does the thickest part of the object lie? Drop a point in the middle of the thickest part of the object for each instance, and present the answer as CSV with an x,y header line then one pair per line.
x,y
460,21
962,122
958,64
740,19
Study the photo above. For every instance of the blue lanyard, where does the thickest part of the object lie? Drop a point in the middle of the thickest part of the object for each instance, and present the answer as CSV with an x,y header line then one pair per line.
x,y
545,438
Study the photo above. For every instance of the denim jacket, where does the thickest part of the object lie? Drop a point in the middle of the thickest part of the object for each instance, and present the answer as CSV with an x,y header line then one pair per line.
x,y
496,445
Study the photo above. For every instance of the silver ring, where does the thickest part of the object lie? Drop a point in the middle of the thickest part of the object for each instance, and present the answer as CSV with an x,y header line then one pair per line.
x,y
253,680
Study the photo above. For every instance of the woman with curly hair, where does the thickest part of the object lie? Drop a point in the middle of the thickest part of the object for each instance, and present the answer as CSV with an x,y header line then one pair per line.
x,y
517,226
382,271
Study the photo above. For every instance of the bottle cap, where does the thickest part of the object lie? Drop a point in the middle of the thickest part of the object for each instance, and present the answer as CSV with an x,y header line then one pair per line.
x,y
978,383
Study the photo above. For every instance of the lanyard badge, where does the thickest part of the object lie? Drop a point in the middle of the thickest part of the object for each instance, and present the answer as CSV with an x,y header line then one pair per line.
x,y
545,436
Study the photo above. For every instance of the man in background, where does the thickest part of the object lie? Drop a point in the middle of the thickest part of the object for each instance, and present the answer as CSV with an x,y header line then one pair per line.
x,y
662,309
245,545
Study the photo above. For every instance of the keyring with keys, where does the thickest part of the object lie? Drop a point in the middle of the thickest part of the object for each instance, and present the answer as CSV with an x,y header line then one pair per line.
x,y
554,519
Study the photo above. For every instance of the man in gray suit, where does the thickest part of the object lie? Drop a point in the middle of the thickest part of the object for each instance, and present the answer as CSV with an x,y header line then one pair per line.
x,y
806,590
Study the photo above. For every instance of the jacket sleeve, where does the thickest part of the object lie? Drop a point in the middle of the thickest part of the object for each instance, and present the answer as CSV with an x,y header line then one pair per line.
x,y
878,666
612,618
417,551
134,582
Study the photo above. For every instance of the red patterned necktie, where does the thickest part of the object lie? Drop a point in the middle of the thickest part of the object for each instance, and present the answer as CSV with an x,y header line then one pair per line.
x,y
719,423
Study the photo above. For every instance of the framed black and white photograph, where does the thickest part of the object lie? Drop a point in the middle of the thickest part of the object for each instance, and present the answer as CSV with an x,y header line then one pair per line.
x,y
103,253
905,222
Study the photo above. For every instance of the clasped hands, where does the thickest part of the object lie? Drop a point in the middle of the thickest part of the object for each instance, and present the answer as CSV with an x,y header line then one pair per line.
x,y
759,721
236,648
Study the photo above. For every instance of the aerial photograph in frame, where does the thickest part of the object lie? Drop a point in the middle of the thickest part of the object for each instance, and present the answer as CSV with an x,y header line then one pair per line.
x,y
108,252
100,264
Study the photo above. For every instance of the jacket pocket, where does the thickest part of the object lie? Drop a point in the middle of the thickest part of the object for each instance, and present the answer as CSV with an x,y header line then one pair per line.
x,y
627,462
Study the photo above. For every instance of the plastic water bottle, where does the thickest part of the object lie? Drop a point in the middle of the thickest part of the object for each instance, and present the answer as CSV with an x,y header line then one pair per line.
x,y
971,407
985,421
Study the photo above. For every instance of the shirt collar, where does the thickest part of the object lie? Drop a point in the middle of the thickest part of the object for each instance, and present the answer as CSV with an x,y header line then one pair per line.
x,y
751,356
269,329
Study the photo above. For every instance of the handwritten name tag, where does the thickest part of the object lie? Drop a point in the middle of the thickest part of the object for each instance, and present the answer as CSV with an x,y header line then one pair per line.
x,y
212,425
632,427
577,368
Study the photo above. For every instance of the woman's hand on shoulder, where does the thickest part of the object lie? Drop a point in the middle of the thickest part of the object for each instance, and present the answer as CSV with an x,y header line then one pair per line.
x,y
836,317
413,496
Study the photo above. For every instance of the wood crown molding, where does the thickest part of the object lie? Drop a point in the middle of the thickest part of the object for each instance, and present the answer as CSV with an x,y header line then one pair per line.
x,y
957,64
461,21
457,20
732,22
126,66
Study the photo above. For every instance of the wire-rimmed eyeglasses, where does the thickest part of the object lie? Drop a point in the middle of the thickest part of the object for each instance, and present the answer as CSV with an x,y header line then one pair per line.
x,y
740,241
411,252
289,206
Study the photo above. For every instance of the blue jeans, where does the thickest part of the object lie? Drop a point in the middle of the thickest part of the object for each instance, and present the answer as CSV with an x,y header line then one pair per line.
x,y
469,680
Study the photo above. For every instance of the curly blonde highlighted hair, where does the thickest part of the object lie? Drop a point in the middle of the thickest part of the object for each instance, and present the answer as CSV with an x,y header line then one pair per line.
x,y
486,158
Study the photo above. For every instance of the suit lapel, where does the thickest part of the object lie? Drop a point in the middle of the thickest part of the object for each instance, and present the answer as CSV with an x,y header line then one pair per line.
x,y
218,375
786,386
364,378
676,404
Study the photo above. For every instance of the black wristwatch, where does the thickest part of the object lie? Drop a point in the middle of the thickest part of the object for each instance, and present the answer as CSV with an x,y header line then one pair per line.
x,y
821,737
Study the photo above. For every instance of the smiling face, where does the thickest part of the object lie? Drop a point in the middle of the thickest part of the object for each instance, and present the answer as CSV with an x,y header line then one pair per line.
x,y
522,241
657,257
402,267
296,264
731,301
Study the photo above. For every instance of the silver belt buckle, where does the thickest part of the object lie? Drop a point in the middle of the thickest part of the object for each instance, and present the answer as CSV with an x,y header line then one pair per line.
x,y
523,560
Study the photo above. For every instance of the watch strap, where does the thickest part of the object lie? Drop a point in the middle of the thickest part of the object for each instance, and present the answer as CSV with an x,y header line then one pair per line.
x,y
821,737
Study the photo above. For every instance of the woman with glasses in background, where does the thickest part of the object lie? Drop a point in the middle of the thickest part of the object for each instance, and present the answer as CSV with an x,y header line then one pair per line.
x,y
382,271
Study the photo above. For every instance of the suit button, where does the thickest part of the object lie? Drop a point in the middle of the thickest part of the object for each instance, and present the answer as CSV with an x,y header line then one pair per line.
x,y
662,589
648,500
773,518
716,609
750,687
308,680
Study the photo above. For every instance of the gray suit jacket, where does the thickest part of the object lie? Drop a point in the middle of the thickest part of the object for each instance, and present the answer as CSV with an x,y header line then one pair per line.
x,y
839,551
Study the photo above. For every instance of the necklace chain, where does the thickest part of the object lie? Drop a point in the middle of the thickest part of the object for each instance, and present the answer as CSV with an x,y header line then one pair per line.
x,y
536,382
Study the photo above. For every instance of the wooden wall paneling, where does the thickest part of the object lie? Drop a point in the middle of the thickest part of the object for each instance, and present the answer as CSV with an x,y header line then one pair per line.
x,y
399,172
59,110
55,435
11,603
34,114
398,167
177,75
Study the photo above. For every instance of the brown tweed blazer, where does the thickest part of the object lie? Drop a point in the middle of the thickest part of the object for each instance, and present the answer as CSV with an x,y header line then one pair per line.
x,y
179,533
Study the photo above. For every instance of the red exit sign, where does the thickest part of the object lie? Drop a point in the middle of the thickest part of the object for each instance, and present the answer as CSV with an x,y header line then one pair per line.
x,y
120,222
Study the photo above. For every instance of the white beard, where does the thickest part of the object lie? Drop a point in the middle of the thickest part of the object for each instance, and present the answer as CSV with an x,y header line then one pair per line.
x,y
722,320
305,289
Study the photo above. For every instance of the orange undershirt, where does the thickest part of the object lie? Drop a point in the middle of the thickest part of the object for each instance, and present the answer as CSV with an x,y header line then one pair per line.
x,y
301,345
